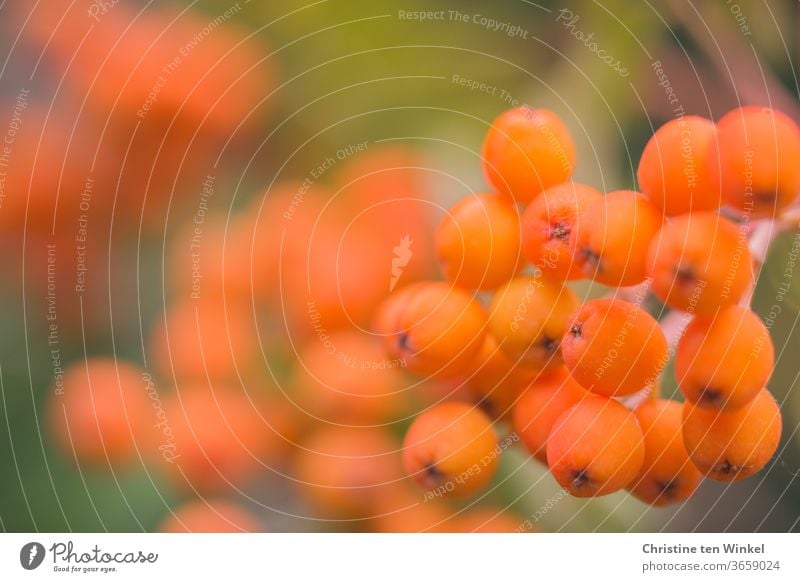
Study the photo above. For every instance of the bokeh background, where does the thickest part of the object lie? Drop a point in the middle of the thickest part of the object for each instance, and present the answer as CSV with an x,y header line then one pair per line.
x,y
152,153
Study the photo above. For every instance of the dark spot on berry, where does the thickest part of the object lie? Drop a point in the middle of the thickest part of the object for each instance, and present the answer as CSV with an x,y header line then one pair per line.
x,y
590,257
710,396
550,345
402,342
433,476
685,275
765,197
576,329
666,488
727,468
560,230
488,407
580,478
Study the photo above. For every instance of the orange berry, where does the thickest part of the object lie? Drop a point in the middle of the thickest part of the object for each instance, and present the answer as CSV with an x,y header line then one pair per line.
x,y
496,381
754,160
730,446
206,340
125,59
340,278
440,331
550,223
724,361
528,317
220,439
100,411
346,378
699,263
542,403
404,510
478,242
595,448
344,472
674,167
614,348
388,186
484,520
667,475
46,171
210,516
526,151
386,319
451,449
615,231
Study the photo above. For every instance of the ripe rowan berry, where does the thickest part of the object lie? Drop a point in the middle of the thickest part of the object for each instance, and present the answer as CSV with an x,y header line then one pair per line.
x,y
730,446
613,347
478,242
674,168
386,319
440,330
484,520
667,475
550,223
198,341
595,448
526,151
402,511
343,472
699,263
528,317
210,516
220,437
347,379
101,410
615,231
724,361
496,381
542,403
753,160
451,449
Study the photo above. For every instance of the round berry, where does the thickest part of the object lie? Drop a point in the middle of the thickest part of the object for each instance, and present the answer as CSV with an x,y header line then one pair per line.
x,y
210,516
527,151
219,438
724,361
611,245
198,341
347,379
440,330
484,520
478,242
667,475
753,160
100,411
528,318
613,347
496,381
542,403
730,446
386,319
451,449
699,263
550,224
343,472
674,167
596,448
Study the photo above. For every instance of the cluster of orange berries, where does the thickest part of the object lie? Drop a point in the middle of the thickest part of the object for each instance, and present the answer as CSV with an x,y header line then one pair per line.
x,y
579,381
208,419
